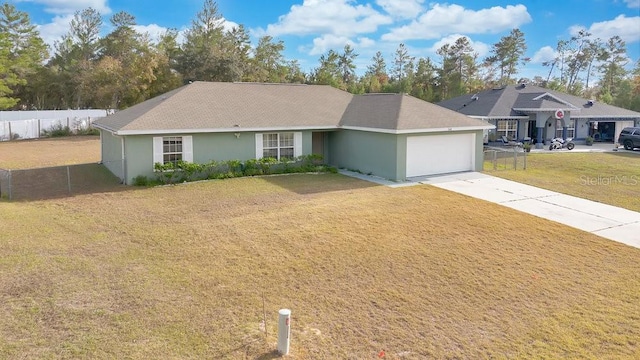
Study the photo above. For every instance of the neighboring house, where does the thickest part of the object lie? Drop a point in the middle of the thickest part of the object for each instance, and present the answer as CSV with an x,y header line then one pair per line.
x,y
393,136
520,111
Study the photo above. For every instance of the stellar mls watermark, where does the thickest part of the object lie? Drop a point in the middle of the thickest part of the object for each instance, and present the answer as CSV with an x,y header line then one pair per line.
x,y
629,180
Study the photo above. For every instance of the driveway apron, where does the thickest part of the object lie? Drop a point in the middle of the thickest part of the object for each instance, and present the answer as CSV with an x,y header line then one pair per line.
x,y
604,220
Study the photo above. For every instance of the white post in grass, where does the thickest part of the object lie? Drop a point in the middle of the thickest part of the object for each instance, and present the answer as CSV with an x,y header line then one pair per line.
x,y
284,331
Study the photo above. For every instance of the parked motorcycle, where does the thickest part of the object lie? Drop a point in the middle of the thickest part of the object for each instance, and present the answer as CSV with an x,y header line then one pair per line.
x,y
559,143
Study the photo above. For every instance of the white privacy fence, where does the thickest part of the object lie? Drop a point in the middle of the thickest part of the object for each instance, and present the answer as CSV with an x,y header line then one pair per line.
x,y
31,124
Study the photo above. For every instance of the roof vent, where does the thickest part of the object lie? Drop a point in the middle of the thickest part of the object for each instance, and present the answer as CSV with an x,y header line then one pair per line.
x,y
474,97
590,102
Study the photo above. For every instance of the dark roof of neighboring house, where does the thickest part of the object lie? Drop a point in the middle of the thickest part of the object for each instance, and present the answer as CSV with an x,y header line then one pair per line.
x,y
220,107
518,100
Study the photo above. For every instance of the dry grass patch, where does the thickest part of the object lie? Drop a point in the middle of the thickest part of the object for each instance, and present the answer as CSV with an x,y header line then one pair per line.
x,y
610,178
36,153
182,271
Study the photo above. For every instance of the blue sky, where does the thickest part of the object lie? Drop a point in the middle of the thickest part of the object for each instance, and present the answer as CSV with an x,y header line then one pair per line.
x,y
310,28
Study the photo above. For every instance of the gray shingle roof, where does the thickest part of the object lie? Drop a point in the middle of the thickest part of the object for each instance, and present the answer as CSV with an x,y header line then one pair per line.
x,y
540,101
402,112
208,106
501,102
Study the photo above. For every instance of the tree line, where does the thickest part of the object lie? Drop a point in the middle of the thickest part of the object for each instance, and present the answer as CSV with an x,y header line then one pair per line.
x,y
125,67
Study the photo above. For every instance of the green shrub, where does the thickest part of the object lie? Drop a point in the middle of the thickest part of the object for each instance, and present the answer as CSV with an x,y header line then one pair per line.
x,y
314,159
234,168
141,180
186,171
166,173
88,131
189,171
589,140
57,130
267,165
251,168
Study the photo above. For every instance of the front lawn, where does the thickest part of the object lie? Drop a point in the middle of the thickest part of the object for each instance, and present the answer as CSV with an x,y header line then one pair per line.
x,y
612,178
184,272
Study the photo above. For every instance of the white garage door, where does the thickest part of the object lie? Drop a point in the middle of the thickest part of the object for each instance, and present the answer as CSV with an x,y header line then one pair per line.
x,y
440,154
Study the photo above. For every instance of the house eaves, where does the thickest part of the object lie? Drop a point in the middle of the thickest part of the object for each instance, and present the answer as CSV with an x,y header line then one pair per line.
x,y
419,131
220,130
528,110
104,127
614,117
301,128
512,117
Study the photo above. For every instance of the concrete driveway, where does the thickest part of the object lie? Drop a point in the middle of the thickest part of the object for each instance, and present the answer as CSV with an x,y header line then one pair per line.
x,y
607,221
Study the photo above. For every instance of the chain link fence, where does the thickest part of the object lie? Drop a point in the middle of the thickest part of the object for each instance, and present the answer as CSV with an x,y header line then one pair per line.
x,y
5,184
59,181
512,158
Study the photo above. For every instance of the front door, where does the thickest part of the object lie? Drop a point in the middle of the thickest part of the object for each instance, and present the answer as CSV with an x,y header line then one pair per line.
x,y
317,143
533,130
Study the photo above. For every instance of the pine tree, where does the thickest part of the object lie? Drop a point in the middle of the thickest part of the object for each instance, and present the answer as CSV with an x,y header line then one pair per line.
x,y
22,52
613,59
507,54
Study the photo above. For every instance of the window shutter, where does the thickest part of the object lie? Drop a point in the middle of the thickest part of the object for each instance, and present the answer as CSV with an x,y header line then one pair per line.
x,y
158,151
187,148
259,150
297,144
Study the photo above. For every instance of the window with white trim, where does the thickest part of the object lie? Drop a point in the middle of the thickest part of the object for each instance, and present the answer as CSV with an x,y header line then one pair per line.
x,y
172,149
508,128
571,129
281,146
277,145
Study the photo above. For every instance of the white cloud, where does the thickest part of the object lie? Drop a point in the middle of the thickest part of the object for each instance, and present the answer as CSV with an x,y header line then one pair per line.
x,y
479,47
64,11
365,42
546,53
405,9
446,19
328,42
63,7
628,28
341,18
154,31
229,25
54,30
633,4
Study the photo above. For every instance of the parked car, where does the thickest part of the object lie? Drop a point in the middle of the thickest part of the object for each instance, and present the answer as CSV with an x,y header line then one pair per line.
x,y
630,138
